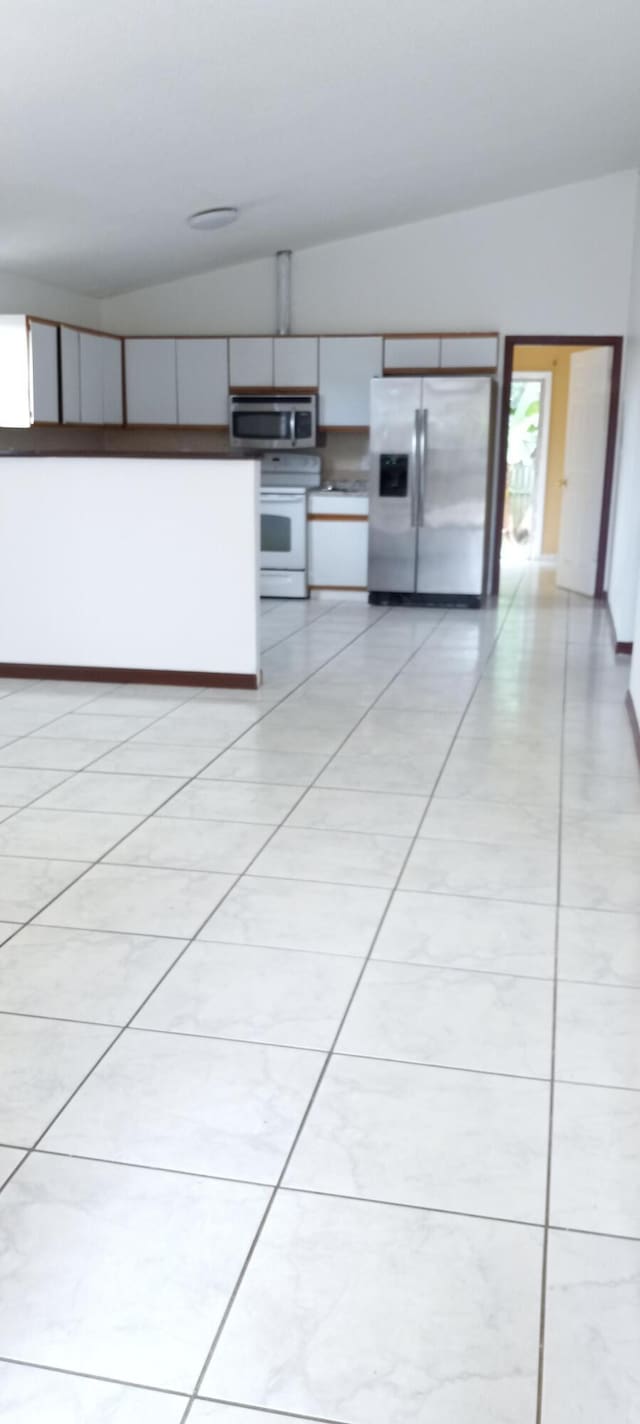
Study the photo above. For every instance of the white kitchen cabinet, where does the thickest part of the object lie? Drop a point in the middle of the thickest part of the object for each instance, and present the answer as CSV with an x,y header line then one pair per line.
x,y
411,353
70,368
295,361
469,351
112,380
91,394
150,372
347,365
43,347
251,360
203,380
338,541
91,378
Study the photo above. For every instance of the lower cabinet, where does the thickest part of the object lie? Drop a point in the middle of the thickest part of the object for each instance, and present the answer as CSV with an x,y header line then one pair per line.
x,y
338,534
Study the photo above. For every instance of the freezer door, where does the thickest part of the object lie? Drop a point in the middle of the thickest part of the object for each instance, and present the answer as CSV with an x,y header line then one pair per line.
x,y
454,456
396,415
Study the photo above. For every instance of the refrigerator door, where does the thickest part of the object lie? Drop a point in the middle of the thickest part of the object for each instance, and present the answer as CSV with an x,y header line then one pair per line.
x,y
454,458
396,415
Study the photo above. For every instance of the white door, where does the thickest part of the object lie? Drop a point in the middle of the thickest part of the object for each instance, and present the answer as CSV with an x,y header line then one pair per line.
x,y
251,361
70,354
295,361
584,457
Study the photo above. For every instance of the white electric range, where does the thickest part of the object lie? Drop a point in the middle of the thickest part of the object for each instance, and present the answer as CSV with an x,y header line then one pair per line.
x,y
285,480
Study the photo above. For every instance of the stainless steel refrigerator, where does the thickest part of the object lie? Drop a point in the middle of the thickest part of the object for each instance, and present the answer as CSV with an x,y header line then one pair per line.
x,y
429,488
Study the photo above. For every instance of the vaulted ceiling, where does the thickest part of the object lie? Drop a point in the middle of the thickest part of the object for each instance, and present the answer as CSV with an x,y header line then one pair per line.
x,y
318,118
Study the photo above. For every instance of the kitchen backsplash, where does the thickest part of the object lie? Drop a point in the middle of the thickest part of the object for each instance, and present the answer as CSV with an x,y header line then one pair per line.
x,y
345,456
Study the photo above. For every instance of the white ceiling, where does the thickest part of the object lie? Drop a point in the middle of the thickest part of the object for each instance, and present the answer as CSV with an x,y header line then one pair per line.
x,y
319,118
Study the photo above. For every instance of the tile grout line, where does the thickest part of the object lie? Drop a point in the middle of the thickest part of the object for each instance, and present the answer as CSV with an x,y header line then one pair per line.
x,y
249,1256
554,1015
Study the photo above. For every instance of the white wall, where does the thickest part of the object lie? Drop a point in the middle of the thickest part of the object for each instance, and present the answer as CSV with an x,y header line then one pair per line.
x,y
23,294
82,585
625,543
556,262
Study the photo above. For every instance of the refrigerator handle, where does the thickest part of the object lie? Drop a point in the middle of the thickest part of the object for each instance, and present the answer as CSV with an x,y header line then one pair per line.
x,y
416,468
423,448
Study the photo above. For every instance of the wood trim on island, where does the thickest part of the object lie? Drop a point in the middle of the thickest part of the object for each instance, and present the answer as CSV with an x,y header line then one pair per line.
x,y
341,518
174,677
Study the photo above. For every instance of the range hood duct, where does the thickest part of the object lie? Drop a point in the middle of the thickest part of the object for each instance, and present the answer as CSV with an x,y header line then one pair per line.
x,y
283,292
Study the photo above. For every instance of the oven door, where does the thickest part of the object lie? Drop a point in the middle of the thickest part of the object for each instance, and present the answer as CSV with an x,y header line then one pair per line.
x,y
283,530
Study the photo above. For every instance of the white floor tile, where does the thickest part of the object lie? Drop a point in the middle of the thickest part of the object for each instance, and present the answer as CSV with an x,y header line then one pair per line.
x,y
118,1271
374,1314
505,872
68,835
234,801
343,857
597,1039
10,1158
595,1180
273,768
368,811
99,791
138,900
26,886
81,974
600,947
246,992
19,785
431,1137
460,932
488,1022
179,844
297,914
591,1362
42,1061
29,1395
192,1105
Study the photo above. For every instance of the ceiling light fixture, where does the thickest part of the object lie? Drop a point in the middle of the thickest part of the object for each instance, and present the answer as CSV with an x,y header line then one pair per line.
x,y
210,218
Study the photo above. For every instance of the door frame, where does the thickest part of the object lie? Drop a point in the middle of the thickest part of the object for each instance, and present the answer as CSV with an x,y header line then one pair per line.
x,y
616,342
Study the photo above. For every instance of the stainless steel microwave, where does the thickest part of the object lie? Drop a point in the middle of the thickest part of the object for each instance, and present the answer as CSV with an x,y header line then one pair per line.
x,y
277,422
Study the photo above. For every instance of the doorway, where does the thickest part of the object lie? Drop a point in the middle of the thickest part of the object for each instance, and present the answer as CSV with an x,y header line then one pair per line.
x,y
556,455
530,404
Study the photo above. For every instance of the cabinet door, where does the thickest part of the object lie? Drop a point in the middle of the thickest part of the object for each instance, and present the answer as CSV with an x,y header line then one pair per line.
x,y
150,366
70,363
203,381
470,352
91,398
411,353
112,380
347,365
44,372
295,361
338,551
251,361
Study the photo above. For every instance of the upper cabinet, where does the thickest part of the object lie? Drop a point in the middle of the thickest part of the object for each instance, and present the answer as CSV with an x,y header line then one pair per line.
x,y
411,353
469,352
202,380
250,361
151,380
43,344
91,367
295,362
347,365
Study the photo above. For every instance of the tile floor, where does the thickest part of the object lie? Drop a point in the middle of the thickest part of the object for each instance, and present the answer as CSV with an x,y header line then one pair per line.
x,y
319,1031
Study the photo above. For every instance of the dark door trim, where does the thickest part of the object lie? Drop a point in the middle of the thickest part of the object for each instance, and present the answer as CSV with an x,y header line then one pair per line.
x,y
616,342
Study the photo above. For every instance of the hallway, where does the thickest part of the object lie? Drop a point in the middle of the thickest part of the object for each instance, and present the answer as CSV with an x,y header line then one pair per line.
x,y
319,1030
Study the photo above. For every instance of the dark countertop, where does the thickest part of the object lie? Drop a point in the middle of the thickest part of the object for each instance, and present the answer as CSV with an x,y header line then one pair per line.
x,y
120,455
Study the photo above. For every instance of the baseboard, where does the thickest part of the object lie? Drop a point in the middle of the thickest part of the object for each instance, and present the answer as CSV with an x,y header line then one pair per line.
x,y
172,676
622,649
635,724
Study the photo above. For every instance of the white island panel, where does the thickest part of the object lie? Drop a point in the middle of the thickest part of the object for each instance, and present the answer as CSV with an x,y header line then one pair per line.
x,y
128,564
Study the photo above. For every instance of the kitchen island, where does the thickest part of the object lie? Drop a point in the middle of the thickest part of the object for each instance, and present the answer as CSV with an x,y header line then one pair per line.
x,y
130,568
